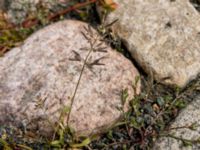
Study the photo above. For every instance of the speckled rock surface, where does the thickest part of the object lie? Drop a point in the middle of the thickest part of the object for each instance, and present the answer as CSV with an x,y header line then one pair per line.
x,y
39,78
2,4
18,10
188,116
163,36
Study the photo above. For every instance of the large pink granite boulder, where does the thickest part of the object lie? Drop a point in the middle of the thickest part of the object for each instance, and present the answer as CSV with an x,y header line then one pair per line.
x,y
38,79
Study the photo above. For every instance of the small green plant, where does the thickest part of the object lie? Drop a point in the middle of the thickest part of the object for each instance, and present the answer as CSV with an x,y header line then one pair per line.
x,y
150,112
185,142
63,127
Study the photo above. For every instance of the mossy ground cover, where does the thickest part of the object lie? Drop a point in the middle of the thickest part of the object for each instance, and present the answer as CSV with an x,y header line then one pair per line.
x,y
150,112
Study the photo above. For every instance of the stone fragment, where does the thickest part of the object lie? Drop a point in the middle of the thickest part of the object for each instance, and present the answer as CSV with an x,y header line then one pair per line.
x,y
163,36
38,80
18,10
189,116
2,5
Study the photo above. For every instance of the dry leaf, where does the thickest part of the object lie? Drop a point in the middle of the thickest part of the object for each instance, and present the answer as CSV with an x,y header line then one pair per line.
x,y
109,4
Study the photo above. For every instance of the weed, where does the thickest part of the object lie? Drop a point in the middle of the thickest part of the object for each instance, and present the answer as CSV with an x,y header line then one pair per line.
x,y
147,119
63,127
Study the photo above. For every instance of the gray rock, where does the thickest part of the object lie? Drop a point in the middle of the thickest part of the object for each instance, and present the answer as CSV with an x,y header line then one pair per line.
x,y
187,117
18,10
2,4
163,36
39,78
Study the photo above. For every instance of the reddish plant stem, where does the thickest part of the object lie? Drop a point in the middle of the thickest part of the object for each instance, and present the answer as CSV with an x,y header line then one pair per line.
x,y
34,21
62,12
30,22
